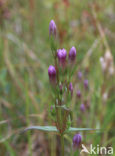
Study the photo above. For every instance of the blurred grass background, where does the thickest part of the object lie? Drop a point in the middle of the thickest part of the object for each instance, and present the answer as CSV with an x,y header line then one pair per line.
x,y
25,96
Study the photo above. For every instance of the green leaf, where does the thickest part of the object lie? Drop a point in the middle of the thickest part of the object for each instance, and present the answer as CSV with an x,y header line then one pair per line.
x,y
72,129
54,129
42,128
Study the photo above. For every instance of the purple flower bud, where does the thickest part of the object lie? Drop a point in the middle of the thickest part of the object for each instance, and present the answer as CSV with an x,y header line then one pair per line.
x,y
52,28
86,84
52,74
82,107
61,53
77,140
51,108
71,88
80,75
72,54
79,94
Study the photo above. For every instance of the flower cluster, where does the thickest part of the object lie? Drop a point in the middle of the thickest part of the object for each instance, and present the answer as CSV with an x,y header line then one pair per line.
x,y
60,76
62,61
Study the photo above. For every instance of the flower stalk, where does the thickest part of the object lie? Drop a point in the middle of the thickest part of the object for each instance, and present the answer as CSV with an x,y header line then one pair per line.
x,y
58,76
62,145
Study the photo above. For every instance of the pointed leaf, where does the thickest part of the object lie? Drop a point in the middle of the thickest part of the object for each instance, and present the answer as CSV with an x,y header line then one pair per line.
x,y
54,129
73,129
42,128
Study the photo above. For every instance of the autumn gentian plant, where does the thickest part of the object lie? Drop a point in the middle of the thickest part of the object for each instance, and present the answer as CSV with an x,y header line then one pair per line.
x,y
60,76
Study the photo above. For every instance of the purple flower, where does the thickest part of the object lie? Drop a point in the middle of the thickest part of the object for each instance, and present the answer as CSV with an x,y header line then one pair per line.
x,y
77,140
79,94
82,107
80,75
71,88
52,28
72,54
86,84
52,74
61,53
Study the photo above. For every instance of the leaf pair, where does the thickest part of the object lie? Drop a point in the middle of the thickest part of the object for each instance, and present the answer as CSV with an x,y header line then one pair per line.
x,y
54,129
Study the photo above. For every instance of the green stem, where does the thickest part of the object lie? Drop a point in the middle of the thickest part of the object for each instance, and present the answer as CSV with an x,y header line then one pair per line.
x,y
71,152
62,145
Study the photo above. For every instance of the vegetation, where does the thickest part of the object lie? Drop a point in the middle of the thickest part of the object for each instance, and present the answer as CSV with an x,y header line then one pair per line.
x,y
25,92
